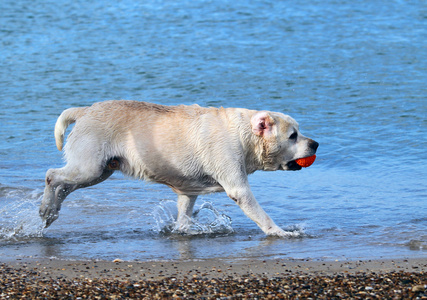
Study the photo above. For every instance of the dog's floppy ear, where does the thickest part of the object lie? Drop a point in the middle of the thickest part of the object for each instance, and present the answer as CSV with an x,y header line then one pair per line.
x,y
262,123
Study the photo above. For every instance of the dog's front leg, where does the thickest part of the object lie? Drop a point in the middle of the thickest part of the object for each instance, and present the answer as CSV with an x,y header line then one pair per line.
x,y
185,210
245,199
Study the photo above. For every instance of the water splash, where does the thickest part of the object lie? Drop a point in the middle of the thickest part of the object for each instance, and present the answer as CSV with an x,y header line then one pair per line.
x,y
296,231
19,216
205,220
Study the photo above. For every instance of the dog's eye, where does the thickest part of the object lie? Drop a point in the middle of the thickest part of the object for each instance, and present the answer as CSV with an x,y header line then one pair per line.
x,y
293,136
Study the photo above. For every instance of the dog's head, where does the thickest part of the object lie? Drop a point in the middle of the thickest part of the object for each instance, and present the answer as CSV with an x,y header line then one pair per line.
x,y
282,143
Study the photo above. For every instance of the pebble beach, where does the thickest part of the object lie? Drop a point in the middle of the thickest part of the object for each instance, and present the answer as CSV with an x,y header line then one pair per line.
x,y
214,279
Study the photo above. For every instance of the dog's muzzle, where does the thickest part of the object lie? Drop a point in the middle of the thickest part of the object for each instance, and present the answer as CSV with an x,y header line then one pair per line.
x,y
293,166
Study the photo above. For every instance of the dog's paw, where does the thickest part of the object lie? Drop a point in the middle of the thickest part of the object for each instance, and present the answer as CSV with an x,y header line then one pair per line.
x,y
48,215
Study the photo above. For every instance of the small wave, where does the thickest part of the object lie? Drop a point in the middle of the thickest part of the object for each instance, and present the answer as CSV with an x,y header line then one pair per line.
x,y
416,245
19,216
205,220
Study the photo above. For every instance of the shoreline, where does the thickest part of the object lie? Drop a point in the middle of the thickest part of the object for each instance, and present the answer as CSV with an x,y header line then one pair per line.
x,y
212,268
214,278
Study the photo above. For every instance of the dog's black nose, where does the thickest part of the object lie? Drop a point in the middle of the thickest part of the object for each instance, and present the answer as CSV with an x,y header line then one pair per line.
x,y
314,145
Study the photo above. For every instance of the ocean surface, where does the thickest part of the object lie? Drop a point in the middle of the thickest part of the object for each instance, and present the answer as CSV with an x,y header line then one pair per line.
x,y
353,74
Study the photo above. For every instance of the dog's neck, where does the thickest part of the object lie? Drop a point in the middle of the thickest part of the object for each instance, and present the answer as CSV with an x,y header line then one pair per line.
x,y
255,150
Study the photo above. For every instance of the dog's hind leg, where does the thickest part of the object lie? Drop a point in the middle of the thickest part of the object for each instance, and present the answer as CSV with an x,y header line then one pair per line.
x,y
61,182
185,210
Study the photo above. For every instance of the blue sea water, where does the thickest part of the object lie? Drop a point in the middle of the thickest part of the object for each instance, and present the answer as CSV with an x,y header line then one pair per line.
x,y
353,74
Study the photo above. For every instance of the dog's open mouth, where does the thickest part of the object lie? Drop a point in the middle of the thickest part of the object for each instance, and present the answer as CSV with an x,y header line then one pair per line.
x,y
293,166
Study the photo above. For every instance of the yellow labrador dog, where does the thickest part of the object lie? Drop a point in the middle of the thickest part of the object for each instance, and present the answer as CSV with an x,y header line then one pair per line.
x,y
192,149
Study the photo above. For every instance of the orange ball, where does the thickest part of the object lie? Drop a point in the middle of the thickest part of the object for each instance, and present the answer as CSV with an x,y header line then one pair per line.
x,y
306,161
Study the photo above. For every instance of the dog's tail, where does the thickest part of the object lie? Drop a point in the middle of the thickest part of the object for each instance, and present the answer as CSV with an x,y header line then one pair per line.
x,y
68,116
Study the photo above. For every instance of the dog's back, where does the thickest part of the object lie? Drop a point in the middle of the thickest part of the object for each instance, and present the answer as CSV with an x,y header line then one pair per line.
x,y
175,145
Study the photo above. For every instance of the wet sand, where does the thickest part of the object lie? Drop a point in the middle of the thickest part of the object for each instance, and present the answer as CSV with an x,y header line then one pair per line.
x,y
214,278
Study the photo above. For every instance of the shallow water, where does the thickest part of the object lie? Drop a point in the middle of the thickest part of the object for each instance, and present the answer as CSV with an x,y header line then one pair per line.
x,y
353,76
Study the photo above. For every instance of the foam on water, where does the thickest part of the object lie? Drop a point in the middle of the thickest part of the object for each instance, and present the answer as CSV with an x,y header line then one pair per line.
x,y
19,213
